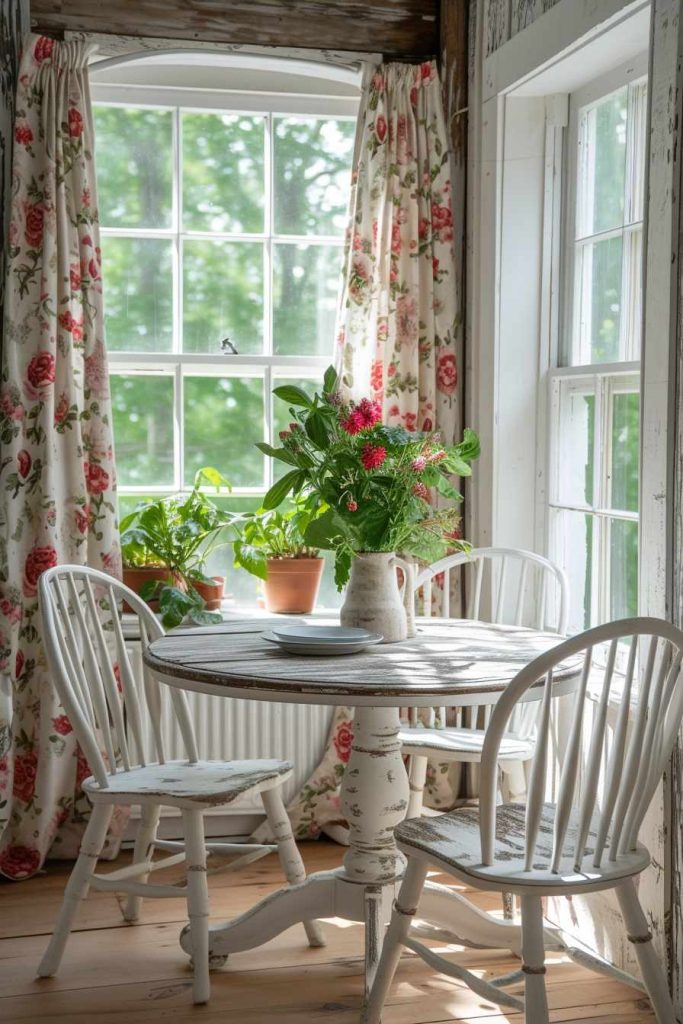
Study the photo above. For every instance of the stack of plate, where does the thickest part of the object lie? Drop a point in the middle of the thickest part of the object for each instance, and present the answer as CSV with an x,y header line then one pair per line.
x,y
322,641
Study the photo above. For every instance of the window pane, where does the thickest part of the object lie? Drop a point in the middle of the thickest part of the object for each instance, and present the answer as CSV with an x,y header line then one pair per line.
x,y
306,281
312,175
637,127
573,538
222,295
634,285
576,443
602,165
138,294
599,300
623,576
223,172
223,419
281,418
134,166
624,454
143,429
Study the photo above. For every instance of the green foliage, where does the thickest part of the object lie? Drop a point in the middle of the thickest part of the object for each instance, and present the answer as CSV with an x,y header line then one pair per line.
x,y
271,534
178,533
364,484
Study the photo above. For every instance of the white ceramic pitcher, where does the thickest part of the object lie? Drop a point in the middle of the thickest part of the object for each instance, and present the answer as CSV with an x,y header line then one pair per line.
x,y
374,600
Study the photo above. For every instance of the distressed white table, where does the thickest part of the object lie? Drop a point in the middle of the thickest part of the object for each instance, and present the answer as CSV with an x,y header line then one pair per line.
x,y
450,663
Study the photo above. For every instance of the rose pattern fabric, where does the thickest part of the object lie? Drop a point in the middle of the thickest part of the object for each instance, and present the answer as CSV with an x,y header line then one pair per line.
x,y
57,478
397,327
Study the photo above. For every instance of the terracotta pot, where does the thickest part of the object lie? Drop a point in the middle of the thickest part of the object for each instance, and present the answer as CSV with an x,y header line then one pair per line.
x,y
292,585
136,578
212,594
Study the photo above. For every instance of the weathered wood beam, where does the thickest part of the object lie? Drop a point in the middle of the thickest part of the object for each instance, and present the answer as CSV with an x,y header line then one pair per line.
x,y
396,28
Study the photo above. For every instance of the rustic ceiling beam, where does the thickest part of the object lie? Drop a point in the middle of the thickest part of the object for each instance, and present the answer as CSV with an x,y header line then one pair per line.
x,y
396,28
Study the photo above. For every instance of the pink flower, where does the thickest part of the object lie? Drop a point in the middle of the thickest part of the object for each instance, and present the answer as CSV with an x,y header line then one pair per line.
x,y
43,49
34,219
352,505
82,517
354,422
373,456
381,127
343,738
85,197
96,372
12,612
370,411
447,374
441,217
420,491
24,461
427,424
377,375
20,861
418,463
25,771
396,238
437,456
61,725
23,134
435,267
61,409
75,277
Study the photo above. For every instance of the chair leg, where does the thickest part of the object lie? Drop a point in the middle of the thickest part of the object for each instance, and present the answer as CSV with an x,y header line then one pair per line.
x,y
417,777
639,934
401,919
91,847
144,847
289,854
533,956
197,903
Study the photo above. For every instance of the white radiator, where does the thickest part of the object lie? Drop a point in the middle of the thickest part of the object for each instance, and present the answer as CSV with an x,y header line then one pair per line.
x,y
232,729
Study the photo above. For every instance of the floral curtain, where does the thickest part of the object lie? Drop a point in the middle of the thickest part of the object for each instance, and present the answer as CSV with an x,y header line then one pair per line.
x,y
397,325
57,480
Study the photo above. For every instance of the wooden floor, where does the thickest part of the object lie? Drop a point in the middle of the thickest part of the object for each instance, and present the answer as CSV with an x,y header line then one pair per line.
x,y
130,974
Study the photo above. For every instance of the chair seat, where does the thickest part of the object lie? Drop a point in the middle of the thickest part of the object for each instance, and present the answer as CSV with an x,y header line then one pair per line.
x,y
181,784
452,841
461,744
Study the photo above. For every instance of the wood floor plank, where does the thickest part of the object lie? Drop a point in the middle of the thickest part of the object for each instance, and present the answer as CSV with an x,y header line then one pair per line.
x,y
114,973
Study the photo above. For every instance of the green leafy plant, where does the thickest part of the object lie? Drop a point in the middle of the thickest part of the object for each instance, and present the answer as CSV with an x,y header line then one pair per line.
x,y
178,533
367,487
273,534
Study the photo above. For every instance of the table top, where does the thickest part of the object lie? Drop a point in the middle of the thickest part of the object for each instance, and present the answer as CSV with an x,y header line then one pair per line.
x,y
451,662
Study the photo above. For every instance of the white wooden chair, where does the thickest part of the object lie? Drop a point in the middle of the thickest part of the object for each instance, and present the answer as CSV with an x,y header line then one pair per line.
x,y
528,590
104,701
585,842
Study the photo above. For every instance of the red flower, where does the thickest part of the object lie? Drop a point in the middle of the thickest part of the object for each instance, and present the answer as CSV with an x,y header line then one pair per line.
x,y
43,48
446,374
19,664
75,123
96,478
343,738
34,216
395,238
427,424
66,320
435,266
418,463
62,408
373,456
377,375
62,725
381,127
19,861
24,463
441,217
352,505
75,277
420,491
12,612
82,518
23,133
41,370
37,561
25,771
354,422
93,270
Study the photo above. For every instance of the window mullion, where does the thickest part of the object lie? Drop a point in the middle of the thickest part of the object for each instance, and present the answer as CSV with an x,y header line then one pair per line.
x,y
268,253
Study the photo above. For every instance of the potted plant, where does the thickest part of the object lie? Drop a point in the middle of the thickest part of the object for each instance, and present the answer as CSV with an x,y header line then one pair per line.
x,y
165,544
369,490
271,545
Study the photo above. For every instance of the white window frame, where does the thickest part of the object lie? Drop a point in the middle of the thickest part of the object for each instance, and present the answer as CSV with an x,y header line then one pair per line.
x,y
267,365
604,380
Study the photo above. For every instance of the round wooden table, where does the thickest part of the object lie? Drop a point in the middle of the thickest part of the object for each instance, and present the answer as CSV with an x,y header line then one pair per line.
x,y
452,663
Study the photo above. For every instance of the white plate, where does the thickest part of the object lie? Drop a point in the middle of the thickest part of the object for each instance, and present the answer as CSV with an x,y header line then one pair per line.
x,y
305,634
323,650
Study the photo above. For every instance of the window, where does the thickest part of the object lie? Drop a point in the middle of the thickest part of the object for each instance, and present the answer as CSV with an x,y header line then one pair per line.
x,y
222,240
595,400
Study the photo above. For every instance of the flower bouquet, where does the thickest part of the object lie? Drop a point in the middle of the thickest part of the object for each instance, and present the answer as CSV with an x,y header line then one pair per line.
x,y
369,488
